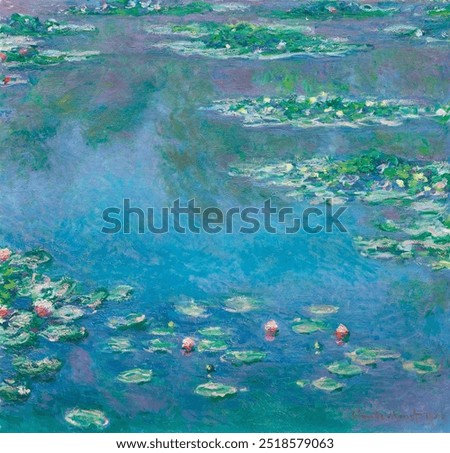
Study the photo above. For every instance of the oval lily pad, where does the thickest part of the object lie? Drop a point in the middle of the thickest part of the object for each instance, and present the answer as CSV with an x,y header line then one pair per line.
x,y
327,385
158,345
121,293
64,333
190,308
212,345
307,326
130,321
16,340
34,368
215,390
212,332
68,313
421,366
367,356
323,309
302,383
22,319
344,369
241,304
162,331
86,418
10,392
96,298
33,258
135,376
119,344
243,357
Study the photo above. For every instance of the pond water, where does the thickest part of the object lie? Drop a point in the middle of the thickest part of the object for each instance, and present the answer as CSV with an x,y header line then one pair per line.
x,y
81,137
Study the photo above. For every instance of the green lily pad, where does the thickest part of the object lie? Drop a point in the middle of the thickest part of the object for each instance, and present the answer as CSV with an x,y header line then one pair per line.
x,y
135,376
323,309
35,368
327,385
255,41
302,383
241,304
64,333
307,326
333,9
16,340
14,392
212,345
212,332
344,369
133,320
421,366
325,110
162,331
22,320
121,293
158,345
367,356
215,390
68,313
190,308
33,259
132,8
95,299
243,357
86,419
119,344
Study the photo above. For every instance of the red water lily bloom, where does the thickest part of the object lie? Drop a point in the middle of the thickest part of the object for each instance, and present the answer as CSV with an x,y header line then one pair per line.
x,y
188,344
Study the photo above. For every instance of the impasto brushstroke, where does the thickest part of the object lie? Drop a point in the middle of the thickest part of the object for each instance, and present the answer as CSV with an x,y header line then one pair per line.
x,y
224,216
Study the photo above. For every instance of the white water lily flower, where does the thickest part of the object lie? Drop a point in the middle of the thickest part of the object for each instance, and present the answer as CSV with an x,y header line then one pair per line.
x,y
266,99
370,103
23,390
400,183
420,177
339,113
441,112
312,100
227,46
281,45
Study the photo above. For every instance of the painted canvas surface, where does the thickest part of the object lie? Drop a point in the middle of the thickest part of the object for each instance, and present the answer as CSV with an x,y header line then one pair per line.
x,y
224,216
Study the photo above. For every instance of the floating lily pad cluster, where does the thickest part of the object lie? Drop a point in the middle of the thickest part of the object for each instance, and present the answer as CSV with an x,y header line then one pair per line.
x,y
143,8
326,9
247,40
327,110
357,362
430,31
23,25
439,11
35,308
419,189
19,47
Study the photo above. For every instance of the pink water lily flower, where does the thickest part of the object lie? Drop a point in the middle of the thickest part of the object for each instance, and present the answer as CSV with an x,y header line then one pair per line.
x,y
5,255
188,344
